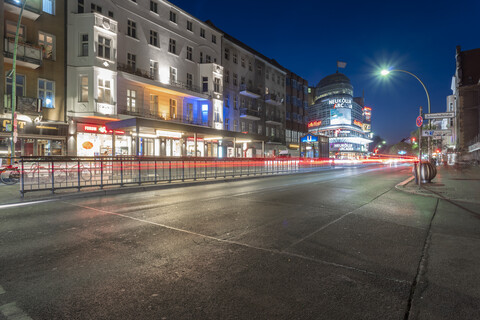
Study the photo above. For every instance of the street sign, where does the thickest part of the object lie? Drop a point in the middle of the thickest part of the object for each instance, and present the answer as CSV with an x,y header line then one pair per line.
x,y
441,115
436,133
419,121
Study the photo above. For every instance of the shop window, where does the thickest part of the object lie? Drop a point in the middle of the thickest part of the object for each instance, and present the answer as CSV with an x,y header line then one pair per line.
x,y
104,91
131,100
47,42
46,92
19,88
83,89
104,47
49,6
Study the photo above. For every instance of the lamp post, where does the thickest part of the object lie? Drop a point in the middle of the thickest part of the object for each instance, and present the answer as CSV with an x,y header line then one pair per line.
x,y
385,72
14,82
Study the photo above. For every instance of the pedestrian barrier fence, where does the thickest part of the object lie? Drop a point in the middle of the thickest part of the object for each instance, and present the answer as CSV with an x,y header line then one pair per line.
x,y
39,174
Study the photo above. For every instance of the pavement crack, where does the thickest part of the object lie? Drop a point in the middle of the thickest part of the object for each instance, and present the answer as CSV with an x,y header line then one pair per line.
x,y
418,285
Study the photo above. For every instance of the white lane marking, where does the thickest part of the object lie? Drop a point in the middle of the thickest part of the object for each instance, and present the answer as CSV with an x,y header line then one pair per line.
x,y
20,204
273,251
11,311
2,291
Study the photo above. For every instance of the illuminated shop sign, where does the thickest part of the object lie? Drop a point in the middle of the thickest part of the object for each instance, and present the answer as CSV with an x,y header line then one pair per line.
x,y
309,138
343,146
341,102
357,123
314,123
367,113
99,129
367,127
340,116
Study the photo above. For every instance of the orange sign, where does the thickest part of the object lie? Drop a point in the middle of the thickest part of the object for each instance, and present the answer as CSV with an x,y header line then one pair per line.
x,y
357,123
315,123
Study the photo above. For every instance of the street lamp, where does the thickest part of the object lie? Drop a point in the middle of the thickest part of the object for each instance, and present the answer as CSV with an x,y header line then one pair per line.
x,y
14,82
385,72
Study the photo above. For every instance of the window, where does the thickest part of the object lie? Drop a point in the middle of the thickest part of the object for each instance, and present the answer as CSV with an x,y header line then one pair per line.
x,y
173,16
227,101
267,74
131,100
95,8
190,111
131,61
189,80
81,6
227,54
235,79
242,62
83,96
227,76
104,47
154,38
190,26
235,102
172,46
104,91
153,69
208,59
132,29
259,129
202,32
214,38
47,42
235,58
173,109
153,104
173,75
84,45
49,6
46,92
189,53
110,14
204,84
242,80
153,6
216,85
249,65
19,88
201,57
11,30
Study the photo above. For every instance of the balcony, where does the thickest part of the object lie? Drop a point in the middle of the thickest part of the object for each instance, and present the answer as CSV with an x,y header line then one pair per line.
x,y
273,119
151,114
32,10
28,55
250,114
273,99
24,105
249,91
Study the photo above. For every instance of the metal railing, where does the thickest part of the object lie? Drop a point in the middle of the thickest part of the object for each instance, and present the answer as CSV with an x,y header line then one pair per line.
x,y
40,174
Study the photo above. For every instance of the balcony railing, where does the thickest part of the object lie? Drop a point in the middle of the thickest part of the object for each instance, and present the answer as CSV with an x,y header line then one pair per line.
x,y
28,55
24,105
273,119
248,113
249,91
32,10
147,113
273,99
134,70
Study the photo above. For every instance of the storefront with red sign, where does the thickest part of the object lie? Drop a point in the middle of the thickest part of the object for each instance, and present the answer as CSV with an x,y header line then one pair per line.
x,y
95,140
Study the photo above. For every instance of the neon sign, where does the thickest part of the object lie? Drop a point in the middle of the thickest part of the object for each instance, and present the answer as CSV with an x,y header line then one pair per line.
x,y
100,129
309,138
315,123
357,123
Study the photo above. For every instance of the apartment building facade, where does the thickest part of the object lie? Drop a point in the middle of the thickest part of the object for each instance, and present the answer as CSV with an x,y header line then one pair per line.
x,y
146,79
296,111
39,78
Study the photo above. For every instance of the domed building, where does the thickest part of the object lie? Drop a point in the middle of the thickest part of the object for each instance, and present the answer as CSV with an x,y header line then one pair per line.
x,y
335,113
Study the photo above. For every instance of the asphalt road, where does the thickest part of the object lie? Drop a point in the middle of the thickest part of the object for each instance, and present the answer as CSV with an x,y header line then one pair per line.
x,y
338,244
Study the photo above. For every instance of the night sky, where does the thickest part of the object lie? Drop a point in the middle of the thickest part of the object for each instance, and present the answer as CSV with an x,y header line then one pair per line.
x,y
308,37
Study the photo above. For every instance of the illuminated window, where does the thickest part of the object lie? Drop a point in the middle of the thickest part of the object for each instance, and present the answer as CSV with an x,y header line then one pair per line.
x,y
153,104
173,109
104,91
132,29
173,16
172,46
47,42
131,100
104,47
83,96
84,45
190,26
154,38
49,6
189,53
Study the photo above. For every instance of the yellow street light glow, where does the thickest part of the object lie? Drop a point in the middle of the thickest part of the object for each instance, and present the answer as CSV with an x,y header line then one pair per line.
x,y
384,72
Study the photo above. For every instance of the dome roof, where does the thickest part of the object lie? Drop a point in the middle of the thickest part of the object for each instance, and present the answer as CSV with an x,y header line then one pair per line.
x,y
335,78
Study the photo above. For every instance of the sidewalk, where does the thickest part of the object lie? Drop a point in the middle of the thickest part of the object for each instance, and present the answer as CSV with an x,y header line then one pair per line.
x,y
454,184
